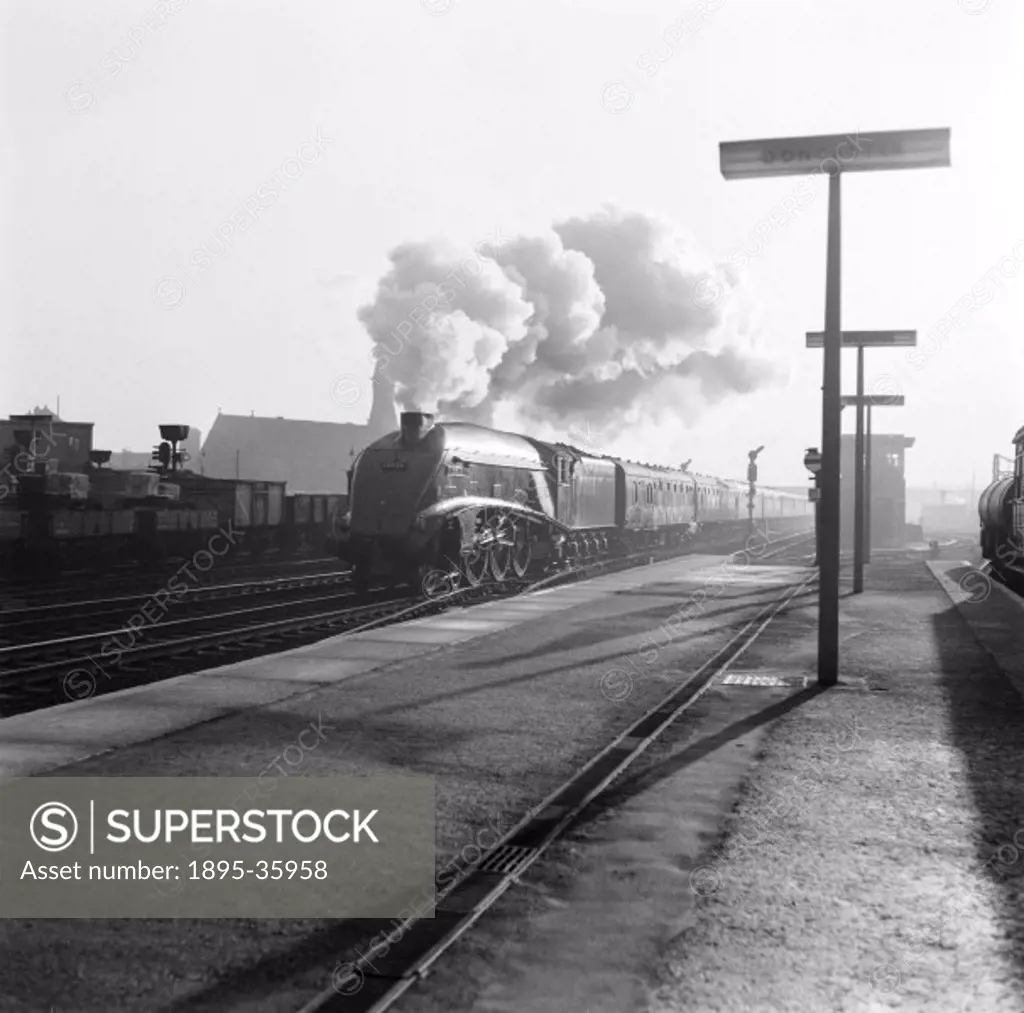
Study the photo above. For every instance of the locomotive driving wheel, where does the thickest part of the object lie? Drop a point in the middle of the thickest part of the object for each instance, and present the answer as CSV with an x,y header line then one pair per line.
x,y
520,550
476,559
502,547
475,566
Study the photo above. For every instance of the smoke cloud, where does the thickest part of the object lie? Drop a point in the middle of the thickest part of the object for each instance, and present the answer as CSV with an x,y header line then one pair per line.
x,y
612,316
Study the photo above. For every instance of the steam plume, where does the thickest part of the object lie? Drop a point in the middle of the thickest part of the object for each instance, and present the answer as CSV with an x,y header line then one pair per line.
x,y
611,314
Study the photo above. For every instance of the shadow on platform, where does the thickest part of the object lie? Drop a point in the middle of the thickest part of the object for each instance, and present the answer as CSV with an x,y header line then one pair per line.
x,y
986,715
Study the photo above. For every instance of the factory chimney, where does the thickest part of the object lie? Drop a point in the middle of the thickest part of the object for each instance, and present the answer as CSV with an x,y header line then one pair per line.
x,y
383,417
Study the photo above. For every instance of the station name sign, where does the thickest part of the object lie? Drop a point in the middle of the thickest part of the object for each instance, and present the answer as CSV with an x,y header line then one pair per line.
x,y
859,151
874,400
867,339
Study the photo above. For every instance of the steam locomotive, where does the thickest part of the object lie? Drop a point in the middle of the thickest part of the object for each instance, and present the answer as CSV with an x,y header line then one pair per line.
x,y
1001,511
460,498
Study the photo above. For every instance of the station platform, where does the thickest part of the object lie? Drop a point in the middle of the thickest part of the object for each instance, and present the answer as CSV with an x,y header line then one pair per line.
x,y
500,703
46,740
859,848
777,848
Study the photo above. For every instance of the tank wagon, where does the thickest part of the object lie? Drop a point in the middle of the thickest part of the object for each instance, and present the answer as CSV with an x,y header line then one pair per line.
x,y
458,497
1001,512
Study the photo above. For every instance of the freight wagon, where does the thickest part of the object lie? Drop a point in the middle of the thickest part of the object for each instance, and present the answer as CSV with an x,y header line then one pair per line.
x,y
137,517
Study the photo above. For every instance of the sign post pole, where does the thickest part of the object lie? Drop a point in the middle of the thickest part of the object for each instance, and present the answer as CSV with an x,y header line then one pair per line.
x,y
867,488
832,154
828,561
861,340
858,494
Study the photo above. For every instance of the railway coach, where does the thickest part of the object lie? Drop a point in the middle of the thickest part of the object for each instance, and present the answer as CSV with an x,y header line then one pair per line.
x,y
484,504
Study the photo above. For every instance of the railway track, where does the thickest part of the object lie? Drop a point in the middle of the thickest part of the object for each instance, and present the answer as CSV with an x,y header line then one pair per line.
x,y
22,625
65,669
68,668
129,580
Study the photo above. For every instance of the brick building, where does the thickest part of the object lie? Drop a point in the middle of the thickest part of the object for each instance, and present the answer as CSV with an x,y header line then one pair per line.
x,y
312,457
41,440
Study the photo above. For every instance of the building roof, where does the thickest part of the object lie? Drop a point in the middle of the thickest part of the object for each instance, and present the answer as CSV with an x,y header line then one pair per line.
x,y
45,410
312,457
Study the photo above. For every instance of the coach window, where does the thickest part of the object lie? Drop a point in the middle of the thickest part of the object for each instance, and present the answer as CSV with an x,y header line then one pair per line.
x,y
636,494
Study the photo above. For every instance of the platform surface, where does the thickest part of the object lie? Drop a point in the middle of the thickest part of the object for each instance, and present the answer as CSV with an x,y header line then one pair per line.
x,y
498,716
39,741
873,860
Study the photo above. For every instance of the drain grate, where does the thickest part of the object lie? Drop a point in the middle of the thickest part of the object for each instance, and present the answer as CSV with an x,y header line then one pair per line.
x,y
764,679
507,860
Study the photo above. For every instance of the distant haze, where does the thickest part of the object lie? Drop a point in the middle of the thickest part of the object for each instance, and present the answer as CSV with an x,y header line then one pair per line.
x,y
232,205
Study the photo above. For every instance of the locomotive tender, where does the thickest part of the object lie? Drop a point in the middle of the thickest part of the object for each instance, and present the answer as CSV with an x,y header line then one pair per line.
x,y
456,497
1001,511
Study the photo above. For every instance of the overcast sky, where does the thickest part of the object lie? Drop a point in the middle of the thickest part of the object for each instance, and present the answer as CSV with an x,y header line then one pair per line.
x,y
134,131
